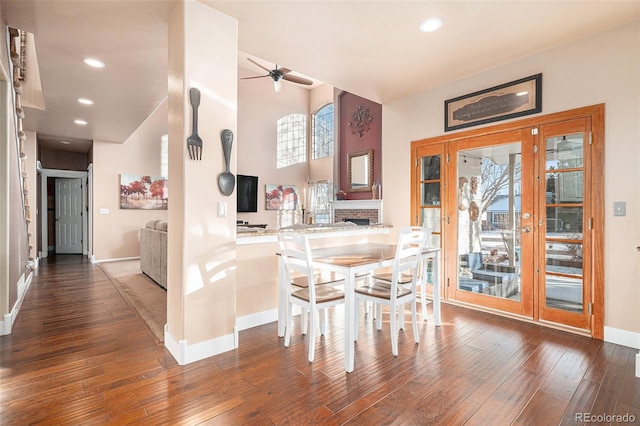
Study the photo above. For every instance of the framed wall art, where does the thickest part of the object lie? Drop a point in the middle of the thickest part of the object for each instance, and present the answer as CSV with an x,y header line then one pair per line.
x,y
509,100
143,192
281,197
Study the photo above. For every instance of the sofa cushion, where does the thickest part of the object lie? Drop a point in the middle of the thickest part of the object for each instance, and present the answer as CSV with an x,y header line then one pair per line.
x,y
162,225
152,224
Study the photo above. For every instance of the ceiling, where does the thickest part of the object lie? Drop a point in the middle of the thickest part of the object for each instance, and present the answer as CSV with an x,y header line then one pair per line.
x,y
369,48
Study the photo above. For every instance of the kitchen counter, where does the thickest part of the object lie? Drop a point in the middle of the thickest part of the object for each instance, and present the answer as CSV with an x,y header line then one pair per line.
x,y
248,235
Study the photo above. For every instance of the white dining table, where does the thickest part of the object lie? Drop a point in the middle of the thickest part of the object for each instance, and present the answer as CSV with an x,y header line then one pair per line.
x,y
351,261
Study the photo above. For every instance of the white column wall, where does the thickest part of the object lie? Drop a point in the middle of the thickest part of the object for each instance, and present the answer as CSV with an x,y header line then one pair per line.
x,y
202,250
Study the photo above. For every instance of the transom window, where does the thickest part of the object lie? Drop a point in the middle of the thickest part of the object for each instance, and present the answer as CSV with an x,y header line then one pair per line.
x,y
291,140
322,140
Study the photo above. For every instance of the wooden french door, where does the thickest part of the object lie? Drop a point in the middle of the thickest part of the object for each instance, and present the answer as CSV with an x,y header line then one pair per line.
x,y
491,262
564,241
518,211
428,183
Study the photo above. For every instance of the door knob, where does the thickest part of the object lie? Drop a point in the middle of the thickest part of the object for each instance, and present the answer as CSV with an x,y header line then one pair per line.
x,y
526,229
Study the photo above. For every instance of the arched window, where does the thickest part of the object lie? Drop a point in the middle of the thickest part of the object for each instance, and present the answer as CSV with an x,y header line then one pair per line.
x,y
322,139
291,140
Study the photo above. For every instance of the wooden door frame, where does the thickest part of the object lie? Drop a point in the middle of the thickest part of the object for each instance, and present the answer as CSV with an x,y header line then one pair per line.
x,y
596,191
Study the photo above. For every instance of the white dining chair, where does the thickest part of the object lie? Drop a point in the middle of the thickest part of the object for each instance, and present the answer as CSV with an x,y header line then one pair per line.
x,y
392,293
422,270
303,290
407,279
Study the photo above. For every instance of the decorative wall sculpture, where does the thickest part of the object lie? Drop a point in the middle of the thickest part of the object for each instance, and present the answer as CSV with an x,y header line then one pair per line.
x,y
360,121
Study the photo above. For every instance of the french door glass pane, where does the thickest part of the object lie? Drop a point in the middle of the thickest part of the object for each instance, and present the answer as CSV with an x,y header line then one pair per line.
x,y
431,219
431,194
489,189
431,167
564,220
430,209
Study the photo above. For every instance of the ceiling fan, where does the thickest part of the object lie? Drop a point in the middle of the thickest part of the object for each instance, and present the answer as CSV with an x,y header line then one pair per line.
x,y
279,74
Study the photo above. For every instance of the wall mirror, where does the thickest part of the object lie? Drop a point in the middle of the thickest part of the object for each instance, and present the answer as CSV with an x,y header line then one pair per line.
x,y
360,169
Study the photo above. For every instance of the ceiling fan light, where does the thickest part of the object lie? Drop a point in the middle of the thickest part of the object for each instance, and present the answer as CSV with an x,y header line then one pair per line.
x,y
277,85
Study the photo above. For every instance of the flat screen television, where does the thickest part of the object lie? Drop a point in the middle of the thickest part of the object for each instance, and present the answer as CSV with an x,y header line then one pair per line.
x,y
247,194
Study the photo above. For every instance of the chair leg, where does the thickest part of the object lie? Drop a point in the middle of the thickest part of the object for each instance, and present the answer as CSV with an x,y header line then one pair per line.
x,y
393,330
401,317
414,321
312,333
323,321
423,299
378,309
289,325
304,318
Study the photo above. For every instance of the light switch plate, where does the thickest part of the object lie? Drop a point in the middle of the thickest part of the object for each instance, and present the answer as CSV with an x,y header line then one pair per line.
x,y
104,211
222,209
619,208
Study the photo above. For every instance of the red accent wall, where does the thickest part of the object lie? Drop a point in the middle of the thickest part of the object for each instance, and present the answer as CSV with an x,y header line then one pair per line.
x,y
350,142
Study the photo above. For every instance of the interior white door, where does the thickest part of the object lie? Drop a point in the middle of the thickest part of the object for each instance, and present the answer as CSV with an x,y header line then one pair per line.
x,y
68,214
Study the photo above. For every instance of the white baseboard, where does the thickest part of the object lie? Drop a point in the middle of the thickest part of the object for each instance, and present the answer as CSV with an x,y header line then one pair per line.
x,y
630,339
94,260
254,320
186,354
23,286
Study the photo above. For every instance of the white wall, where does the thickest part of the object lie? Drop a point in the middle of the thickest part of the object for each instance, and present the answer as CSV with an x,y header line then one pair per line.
x,y
116,234
603,68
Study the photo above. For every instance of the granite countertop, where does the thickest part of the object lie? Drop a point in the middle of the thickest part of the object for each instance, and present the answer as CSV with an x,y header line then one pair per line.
x,y
244,231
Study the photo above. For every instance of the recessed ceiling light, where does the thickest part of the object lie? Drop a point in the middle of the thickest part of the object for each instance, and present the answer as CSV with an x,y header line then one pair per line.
x,y
65,142
85,101
80,122
93,62
430,25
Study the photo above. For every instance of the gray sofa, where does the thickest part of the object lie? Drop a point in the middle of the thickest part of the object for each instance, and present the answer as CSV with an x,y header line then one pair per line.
x,y
153,251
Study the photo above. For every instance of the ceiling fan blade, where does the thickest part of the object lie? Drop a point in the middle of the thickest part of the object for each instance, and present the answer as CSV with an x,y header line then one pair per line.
x,y
299,80
249,78
284,70
255,63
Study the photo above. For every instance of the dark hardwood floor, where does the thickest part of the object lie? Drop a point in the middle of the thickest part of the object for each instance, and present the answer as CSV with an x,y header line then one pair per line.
x,y
80,355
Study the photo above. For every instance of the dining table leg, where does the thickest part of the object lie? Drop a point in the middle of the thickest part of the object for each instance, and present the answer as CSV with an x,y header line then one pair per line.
x,y
282,297
350,322
436,289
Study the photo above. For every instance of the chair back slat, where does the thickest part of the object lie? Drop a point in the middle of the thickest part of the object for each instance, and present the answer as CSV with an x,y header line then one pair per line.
x,y
296,254
408,254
